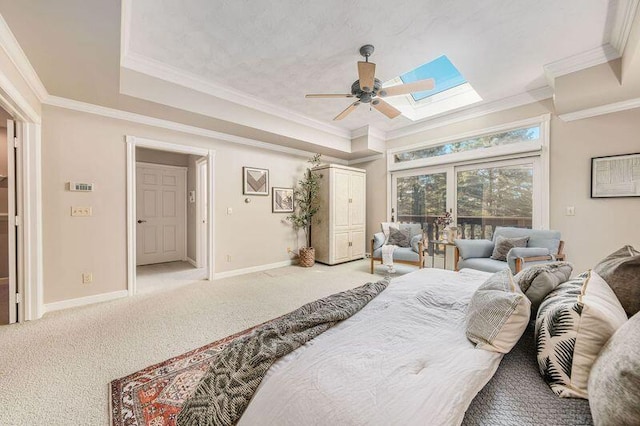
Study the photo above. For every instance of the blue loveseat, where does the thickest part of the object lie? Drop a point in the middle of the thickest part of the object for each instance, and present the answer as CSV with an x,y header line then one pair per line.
x,y
543,246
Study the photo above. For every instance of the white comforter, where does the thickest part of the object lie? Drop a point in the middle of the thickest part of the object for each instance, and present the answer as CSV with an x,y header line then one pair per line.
x,y
402,360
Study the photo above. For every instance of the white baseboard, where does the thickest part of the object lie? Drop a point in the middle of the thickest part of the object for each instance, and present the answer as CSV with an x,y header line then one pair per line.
x,y
81,301
236,272
192,262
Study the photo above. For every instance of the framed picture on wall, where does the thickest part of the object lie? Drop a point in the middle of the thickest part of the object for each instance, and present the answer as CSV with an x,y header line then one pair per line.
x,y
255,181
615,176
282,201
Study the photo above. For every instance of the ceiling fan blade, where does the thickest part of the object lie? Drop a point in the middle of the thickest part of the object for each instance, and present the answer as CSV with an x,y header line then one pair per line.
x,y
329,95
385,108
404,89
366,75
347,111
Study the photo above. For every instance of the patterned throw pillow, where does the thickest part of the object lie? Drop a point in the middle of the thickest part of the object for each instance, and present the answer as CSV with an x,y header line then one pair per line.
x,y
498,313
621,270
503,245
399,238
574,322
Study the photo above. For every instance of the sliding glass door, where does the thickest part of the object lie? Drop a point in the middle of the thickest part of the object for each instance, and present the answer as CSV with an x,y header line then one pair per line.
x,y
479,196
493,195
420,198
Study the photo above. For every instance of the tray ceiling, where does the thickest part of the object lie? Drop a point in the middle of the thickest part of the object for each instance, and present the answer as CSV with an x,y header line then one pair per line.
x,y
279,50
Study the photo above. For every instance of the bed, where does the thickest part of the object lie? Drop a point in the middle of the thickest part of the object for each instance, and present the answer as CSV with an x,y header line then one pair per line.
x,y
406,351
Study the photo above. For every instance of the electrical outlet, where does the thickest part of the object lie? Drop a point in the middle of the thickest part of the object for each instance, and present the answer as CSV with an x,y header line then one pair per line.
x,y
81,211
228,258
87,278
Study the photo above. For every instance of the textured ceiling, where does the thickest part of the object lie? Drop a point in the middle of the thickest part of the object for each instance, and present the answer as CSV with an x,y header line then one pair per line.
x,y
278,50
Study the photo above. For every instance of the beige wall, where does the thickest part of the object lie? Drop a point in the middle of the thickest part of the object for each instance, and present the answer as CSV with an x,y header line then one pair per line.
x,y
600,225
85,147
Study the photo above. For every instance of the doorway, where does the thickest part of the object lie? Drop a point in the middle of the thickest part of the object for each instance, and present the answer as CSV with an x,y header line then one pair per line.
x,y
9,286
169,229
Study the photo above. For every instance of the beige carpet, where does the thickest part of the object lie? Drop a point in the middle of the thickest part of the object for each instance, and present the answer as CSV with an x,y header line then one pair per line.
x,y
56,371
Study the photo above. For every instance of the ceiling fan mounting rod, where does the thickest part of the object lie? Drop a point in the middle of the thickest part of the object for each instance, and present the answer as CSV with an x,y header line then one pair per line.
x,y
366,51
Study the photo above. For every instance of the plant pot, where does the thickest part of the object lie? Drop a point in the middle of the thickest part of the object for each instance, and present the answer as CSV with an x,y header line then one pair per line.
x,y
307,257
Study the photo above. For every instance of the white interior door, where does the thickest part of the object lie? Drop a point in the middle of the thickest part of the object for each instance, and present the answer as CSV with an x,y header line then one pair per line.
x,y
13,134
161,203
202,214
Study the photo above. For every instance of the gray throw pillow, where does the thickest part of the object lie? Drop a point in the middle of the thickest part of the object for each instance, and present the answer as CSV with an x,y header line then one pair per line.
x,y
614,382
503,245
539,280
621,270
399,238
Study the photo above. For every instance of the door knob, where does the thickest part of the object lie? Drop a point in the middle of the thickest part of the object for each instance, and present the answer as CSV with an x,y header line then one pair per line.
x,y
141,221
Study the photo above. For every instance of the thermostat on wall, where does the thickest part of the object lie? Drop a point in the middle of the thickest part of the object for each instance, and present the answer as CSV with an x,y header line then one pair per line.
x,y
82,187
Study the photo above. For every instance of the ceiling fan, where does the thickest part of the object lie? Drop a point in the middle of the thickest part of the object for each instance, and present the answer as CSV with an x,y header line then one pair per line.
x,y
369,90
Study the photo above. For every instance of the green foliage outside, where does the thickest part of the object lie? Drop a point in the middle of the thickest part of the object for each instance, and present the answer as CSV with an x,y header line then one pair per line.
x,y
498,195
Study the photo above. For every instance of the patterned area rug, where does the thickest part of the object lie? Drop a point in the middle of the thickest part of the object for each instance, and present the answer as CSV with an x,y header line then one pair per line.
x,y
154,396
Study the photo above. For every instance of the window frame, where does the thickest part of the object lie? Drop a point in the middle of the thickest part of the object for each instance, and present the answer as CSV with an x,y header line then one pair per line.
x,y
512,154
476,154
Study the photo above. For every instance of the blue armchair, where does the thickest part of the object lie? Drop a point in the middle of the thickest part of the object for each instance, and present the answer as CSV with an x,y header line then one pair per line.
x,y
408,255
543,247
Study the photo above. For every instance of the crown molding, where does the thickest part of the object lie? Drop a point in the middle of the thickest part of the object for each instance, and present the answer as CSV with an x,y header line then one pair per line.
x,y
601,110
368,131
587,59
11,46
365,159
622,25
474,112
162,71
178,127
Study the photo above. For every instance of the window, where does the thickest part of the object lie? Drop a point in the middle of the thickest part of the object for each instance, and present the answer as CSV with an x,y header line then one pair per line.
x,y
480,191
494,196
451,90
421,199
528,134
441,70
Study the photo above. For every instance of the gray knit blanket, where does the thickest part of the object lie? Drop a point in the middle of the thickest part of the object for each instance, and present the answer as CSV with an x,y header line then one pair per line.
x,y
224,392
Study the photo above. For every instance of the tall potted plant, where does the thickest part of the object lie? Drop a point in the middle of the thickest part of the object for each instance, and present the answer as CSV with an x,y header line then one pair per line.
x,y
306,207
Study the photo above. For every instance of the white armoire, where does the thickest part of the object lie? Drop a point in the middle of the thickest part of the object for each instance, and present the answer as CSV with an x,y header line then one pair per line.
x,y
338,229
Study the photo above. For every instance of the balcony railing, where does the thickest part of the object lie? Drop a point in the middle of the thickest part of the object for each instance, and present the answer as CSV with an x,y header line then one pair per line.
x,y
469,227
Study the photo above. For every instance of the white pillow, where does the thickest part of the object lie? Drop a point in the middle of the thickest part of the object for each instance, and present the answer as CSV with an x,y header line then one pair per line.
x,y
574,322
498,313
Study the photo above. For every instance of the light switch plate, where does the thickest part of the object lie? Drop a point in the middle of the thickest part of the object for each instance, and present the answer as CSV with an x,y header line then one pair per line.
x,y
81,211
570,211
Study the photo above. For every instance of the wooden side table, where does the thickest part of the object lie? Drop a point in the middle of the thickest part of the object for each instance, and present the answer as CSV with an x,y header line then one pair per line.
x,y
435,244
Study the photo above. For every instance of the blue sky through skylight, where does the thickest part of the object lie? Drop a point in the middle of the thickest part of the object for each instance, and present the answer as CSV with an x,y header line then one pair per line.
x,y
445,74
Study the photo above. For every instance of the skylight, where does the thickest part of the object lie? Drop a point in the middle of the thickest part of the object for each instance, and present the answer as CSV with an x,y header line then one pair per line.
x,y
451,91
441,70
